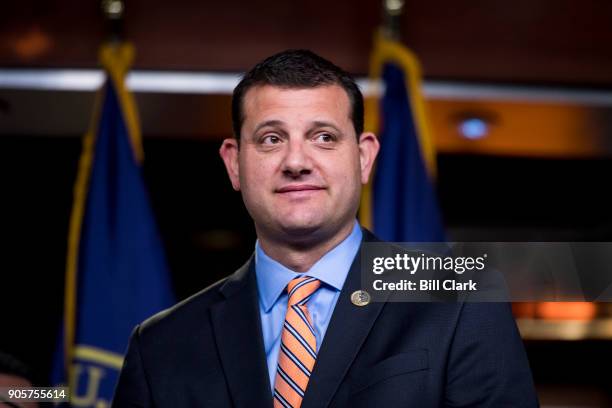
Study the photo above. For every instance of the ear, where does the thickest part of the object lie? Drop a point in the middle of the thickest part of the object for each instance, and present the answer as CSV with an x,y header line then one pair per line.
x,y
368,150
229,153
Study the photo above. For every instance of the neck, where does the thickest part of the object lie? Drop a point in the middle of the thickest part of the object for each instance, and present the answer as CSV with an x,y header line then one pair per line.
x,y
301,255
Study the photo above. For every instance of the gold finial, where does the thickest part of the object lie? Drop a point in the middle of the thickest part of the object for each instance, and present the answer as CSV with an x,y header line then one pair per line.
x,y
392,13
113,9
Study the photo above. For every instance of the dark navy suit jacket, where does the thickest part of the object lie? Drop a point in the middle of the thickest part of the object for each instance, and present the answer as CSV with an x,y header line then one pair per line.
x,y
207,351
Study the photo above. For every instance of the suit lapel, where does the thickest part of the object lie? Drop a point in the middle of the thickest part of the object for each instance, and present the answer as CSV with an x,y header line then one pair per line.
x,y
347,330
237,328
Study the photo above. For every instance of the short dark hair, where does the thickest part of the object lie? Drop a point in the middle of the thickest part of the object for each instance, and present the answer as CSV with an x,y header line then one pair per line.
x,y
297,69
10,365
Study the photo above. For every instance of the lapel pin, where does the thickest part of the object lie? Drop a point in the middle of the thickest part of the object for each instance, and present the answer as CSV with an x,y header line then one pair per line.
x,y
360,298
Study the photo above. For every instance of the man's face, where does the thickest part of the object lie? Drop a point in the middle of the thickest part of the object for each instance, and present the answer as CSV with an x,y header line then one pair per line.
x,y
299,166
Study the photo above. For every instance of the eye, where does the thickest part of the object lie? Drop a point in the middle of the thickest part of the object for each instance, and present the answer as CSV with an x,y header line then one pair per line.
x,y
270,139
324,138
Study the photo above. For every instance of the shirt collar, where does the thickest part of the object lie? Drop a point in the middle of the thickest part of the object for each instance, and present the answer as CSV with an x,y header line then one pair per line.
x,y
331,269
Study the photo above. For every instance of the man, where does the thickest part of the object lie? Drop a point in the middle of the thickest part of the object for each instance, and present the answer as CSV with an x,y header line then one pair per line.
x,y
283,330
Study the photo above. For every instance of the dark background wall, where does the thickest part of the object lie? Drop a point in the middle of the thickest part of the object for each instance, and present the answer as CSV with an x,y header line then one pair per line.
x,y
552,41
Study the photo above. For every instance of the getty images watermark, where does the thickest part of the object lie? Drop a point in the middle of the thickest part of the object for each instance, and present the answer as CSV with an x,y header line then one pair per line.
x,y
487,271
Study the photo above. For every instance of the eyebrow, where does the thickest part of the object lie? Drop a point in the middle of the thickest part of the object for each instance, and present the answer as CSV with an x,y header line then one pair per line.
x,y
319,124
273,122
315,124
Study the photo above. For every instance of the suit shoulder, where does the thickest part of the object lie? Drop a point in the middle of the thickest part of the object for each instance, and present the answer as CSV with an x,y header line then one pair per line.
x,y
184,317
183,313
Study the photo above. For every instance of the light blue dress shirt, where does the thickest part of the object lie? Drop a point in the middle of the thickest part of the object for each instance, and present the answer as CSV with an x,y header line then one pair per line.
x,y
272,279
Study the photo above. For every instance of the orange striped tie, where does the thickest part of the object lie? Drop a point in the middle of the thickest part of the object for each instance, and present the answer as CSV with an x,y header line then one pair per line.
x,y
298,349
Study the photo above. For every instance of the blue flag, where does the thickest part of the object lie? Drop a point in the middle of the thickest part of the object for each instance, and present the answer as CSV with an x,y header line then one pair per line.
x,y
400,204
116,272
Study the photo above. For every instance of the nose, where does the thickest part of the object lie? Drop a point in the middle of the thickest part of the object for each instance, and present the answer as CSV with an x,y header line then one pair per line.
x,y
297,161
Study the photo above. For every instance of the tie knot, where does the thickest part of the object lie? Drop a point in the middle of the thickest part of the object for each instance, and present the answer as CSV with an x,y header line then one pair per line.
x,y
301,289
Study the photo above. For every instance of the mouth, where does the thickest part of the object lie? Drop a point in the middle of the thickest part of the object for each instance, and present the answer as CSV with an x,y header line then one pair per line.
x,y
298,187
299,190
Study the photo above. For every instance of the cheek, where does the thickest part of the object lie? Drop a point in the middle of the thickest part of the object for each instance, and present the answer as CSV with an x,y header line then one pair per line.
x,y
255,173
348,176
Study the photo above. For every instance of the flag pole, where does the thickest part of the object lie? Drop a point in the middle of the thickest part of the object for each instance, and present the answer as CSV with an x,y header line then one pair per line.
x,y
116,56
389,31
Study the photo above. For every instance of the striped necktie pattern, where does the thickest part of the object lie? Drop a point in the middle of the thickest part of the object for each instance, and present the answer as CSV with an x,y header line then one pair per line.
x,y
298,350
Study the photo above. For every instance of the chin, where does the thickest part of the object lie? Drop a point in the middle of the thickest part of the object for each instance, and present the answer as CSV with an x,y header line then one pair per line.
x,y
302,230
